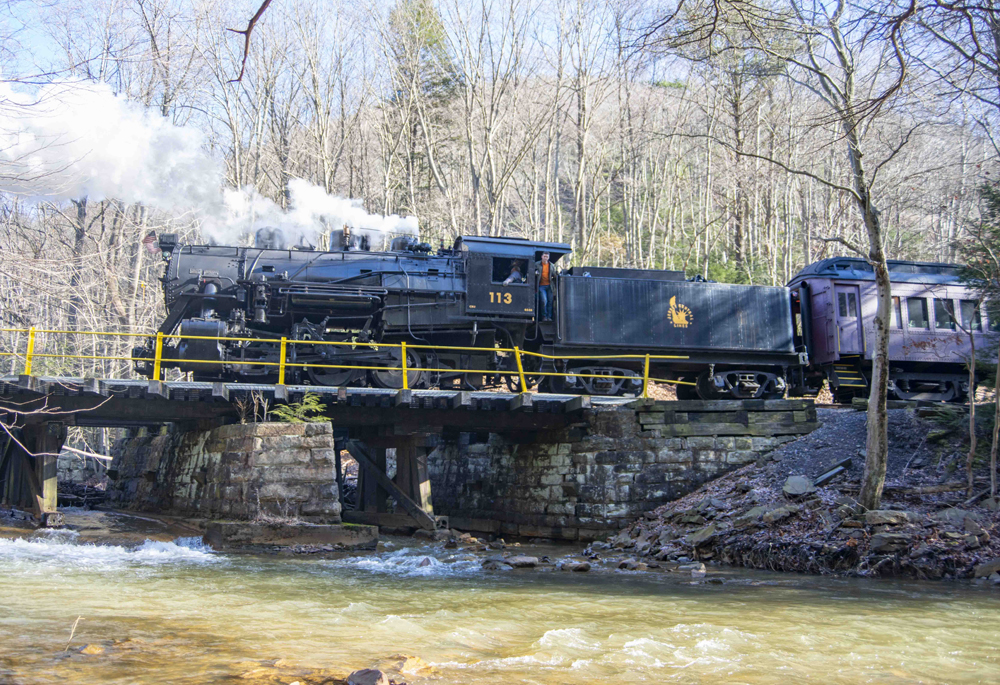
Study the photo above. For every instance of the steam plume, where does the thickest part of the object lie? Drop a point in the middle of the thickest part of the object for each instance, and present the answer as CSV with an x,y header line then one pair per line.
x,y
69,141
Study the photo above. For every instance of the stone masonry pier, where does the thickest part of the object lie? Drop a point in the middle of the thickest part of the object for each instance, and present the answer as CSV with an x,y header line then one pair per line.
x,y
239,471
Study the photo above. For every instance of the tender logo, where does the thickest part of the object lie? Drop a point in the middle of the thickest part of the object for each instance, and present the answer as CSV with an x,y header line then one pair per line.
x,y
680,314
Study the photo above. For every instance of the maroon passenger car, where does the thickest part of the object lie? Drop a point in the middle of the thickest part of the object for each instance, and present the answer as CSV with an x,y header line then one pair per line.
x,y
834,302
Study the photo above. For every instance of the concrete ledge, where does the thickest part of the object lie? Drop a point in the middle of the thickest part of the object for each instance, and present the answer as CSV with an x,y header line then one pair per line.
x,y
229,534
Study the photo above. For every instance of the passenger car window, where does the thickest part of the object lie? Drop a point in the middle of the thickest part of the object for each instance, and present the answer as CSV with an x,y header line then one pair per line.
x,y
916,313
971,318
943,314
897,313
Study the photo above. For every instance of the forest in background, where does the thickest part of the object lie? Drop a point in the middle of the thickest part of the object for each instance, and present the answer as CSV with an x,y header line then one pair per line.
x,y
625,129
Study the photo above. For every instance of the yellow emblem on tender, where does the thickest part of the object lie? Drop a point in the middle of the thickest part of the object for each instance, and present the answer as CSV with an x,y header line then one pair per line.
x,y
680,314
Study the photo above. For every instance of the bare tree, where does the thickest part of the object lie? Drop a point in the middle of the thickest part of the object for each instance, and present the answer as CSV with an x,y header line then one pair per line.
x,y
850,57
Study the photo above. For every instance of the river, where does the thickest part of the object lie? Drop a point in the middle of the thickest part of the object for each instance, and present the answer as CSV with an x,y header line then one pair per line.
x,y
181,613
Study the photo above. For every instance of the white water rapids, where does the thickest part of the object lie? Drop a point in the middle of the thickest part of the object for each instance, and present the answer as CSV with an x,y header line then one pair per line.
x,y
182,613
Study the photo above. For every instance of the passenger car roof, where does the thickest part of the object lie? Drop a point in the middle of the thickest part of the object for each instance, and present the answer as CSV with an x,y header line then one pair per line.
x,y
900,271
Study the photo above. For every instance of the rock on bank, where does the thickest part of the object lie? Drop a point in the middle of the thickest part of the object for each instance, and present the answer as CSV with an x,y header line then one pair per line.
x,y
769,515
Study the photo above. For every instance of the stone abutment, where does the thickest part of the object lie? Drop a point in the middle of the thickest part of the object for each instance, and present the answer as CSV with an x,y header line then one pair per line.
x,y
599,475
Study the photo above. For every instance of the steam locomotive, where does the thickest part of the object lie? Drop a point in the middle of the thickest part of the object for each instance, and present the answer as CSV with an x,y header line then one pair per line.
x,y
230,304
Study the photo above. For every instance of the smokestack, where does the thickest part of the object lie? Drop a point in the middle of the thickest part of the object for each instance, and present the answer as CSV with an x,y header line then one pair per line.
x,y
269,239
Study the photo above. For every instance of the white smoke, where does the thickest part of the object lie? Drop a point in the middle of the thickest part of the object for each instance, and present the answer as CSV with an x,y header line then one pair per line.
x,y
310,209
68,141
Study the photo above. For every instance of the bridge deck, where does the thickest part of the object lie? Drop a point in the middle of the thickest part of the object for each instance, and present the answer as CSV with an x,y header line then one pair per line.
x,y
125,402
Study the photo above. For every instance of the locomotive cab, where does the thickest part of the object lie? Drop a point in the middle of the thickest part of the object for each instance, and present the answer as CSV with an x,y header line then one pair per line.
x,y
490,261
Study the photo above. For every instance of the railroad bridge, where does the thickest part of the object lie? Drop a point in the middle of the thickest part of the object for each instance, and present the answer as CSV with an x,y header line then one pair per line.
x,y
558,466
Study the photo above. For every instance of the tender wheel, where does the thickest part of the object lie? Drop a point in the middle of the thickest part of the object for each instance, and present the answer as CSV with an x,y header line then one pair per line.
x,y
394,379
704,388
555,385
686,392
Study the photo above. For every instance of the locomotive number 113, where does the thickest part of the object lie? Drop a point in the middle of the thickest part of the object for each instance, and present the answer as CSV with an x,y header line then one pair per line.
x,y
500,298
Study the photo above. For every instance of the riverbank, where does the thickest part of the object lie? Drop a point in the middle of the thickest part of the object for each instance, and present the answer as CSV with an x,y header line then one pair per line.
x,y
770,515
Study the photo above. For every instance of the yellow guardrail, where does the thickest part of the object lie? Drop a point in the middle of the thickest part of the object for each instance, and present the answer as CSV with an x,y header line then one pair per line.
x,y
30,355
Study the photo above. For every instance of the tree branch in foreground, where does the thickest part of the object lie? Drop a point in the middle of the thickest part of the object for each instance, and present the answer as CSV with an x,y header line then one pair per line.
x,y
246,37
846,243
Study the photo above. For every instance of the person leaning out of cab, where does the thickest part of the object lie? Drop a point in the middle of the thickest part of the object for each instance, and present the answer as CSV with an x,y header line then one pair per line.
x,y
545,281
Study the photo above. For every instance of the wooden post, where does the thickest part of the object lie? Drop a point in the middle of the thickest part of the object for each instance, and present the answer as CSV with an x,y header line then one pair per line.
x,y
44,440
423,484
7,470
645,378
371,495
404,475
420,480
380,494
359,491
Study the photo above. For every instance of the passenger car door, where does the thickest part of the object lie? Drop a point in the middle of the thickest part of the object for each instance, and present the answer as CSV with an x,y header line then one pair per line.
x,y
849,337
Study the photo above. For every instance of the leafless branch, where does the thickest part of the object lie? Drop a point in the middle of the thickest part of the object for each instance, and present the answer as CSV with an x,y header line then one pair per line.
x,y
246,37
846,243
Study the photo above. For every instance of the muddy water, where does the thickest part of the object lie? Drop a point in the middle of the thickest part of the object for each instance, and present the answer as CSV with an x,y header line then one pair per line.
x,y
176,612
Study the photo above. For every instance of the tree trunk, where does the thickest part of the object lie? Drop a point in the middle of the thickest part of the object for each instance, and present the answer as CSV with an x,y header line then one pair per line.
x,y
996,431
877,444
972,410
76,279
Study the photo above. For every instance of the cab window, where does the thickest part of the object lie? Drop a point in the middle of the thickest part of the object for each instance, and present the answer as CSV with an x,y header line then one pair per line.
x,y
502,269
897,313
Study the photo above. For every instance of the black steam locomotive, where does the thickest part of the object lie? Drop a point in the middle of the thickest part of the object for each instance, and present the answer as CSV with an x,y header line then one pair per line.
x,y
726,340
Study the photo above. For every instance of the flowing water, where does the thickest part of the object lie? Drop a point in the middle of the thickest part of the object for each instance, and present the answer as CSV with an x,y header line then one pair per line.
x,y
177,612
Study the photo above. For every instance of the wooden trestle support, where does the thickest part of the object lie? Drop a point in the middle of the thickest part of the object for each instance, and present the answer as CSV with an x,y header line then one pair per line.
x,y
28,478
410,488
